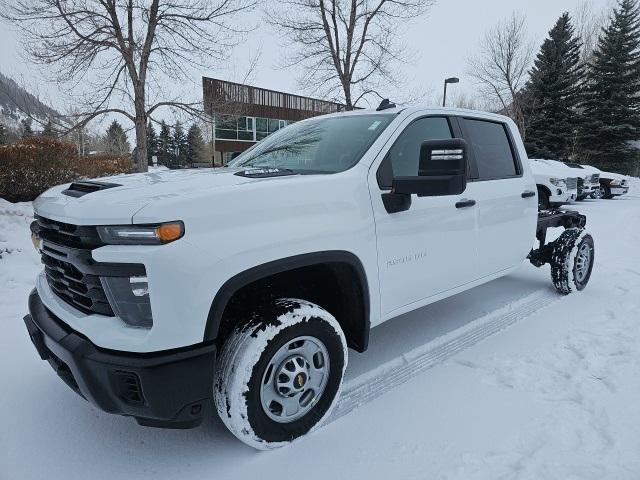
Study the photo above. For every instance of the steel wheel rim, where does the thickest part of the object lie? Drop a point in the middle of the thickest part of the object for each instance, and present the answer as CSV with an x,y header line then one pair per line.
x,y
583,262
294,379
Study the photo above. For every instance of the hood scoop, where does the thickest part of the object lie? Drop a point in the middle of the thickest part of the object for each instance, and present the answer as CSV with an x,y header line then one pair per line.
x,y
79,189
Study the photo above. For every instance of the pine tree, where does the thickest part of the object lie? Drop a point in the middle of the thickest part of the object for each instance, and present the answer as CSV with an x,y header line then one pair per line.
x,y
612,94
3,134
195,144
152,143
25,128
180,146
165,145
553,94
115,140
48,130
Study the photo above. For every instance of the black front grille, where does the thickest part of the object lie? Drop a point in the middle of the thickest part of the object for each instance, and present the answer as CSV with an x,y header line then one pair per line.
x,y
74,236
79,290
60,243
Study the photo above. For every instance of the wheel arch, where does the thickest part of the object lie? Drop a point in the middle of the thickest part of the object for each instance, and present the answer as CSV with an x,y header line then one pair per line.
x,y
348,272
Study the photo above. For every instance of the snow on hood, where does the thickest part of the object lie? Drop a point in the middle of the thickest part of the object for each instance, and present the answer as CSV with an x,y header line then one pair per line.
x,y
542,167
132,193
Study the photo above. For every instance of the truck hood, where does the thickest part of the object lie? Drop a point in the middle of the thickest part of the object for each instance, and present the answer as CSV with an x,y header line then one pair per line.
x,y
541,168
127,194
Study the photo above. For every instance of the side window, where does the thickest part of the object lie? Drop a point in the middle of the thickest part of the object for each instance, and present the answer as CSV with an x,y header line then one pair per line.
x,y
404,156
493,153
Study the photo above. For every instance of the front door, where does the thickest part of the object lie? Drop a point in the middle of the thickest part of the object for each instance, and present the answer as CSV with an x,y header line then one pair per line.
x,y
429,248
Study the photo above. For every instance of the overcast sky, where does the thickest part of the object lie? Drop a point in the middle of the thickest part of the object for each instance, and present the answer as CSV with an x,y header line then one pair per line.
x,y
442,40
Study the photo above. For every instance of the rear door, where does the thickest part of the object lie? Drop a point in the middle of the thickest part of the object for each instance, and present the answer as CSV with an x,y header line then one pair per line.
x,y
505,215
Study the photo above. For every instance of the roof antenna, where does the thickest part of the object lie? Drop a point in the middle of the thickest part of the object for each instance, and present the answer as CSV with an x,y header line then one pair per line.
x,y
385,104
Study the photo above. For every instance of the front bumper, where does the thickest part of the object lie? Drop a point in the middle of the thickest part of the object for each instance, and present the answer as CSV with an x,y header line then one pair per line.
x,y
619,190
169,389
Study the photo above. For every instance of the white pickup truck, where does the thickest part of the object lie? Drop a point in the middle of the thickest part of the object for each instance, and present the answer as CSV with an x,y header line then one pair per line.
x,y
242,287
555,182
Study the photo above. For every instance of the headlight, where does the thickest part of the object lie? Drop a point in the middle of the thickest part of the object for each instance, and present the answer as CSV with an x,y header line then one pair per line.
x,y
129,299
141,234
614,182
558,182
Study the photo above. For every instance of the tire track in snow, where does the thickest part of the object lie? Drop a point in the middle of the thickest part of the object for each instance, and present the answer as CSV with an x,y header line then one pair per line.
x,y
386,377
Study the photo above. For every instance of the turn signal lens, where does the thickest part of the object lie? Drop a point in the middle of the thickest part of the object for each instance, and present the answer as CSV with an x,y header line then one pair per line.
x,y
168,232
37,243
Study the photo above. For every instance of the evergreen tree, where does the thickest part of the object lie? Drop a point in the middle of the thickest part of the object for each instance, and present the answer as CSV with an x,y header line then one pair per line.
x,y
195,144
115,140
152,143
553,94
3,134
612,94
48,130
180,146
165,145
25,128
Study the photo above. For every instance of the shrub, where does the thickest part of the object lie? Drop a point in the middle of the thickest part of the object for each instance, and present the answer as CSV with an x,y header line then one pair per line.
x,y
34,164
103,165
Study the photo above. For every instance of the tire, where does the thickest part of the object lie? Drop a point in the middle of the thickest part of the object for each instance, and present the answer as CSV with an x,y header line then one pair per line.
x,y
281,337
543,199
572,260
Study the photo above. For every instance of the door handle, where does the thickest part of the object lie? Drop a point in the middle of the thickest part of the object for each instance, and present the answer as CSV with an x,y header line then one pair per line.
x,y
465,203
527,194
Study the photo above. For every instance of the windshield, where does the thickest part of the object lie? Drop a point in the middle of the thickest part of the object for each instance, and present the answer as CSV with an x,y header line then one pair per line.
x,y
322,145
572,165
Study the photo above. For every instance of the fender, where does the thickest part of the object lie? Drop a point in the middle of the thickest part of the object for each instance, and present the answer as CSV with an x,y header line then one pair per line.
x,y
235,283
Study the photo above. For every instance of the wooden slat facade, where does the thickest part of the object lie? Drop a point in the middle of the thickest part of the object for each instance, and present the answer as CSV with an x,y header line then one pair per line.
x,y
228,98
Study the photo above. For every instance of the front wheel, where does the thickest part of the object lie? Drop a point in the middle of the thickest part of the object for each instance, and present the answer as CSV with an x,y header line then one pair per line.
x,y
572,260
280,374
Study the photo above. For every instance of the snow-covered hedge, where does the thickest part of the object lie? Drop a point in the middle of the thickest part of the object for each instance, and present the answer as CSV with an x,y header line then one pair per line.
x,y
32,165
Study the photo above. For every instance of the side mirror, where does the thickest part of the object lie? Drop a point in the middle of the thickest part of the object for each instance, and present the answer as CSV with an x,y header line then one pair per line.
x,y
442,170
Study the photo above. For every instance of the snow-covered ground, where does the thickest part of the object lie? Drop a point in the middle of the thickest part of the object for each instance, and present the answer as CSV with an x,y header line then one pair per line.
x,y
507,381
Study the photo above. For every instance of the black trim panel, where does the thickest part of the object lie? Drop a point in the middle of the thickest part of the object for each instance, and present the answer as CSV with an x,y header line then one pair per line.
x,y
171,388
265,270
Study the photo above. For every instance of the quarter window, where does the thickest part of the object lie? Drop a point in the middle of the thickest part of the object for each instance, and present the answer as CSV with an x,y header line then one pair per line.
x,y
493,153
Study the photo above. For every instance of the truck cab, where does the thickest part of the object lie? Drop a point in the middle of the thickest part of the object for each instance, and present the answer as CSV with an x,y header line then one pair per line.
x,y
243,287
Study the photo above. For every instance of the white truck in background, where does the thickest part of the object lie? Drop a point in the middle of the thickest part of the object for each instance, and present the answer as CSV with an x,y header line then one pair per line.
x,y
554,183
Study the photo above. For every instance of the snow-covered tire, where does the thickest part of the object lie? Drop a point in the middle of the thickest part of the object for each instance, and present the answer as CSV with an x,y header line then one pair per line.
x,y
249,352
572,260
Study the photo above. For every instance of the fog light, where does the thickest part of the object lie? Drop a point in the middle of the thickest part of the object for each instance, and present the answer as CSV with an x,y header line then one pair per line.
x,y
129,299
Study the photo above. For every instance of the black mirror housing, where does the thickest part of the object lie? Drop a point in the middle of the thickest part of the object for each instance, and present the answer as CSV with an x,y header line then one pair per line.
x,y
442,170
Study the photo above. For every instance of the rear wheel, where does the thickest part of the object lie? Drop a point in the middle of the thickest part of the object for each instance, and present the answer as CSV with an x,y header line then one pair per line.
x,y
572,260
543,199
279,375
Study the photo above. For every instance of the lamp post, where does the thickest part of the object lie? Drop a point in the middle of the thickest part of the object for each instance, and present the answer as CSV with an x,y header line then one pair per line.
x,y
446,81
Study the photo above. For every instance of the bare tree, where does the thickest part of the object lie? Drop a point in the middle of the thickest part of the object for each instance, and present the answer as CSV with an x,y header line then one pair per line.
x,y
589,22
120,50
502,64
346,49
